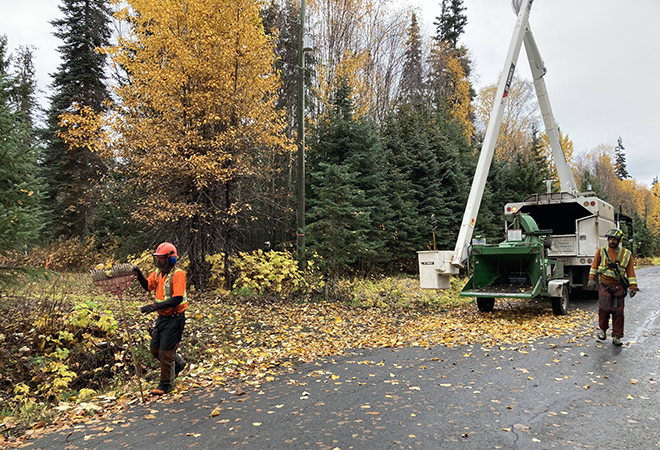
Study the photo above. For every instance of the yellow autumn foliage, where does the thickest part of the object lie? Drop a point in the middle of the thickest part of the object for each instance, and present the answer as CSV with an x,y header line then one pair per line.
x,y
198,112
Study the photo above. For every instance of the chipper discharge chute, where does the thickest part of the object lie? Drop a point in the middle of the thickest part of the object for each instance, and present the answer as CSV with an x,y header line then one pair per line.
x,y
517,268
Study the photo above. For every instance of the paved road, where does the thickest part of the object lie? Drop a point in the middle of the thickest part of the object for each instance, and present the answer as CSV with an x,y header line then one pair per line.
x,y
557,393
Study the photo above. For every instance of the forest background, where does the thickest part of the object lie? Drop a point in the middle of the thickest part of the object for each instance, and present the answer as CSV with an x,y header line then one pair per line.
x,y
175,121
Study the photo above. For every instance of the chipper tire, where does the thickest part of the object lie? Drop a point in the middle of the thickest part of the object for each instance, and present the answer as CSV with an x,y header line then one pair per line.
x,y
485,304
560,304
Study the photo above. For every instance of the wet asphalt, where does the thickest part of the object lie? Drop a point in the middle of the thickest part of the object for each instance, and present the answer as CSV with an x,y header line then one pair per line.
x,y
574,393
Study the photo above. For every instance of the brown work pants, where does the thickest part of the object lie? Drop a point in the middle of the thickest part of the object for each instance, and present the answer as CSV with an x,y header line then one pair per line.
x,y
611,301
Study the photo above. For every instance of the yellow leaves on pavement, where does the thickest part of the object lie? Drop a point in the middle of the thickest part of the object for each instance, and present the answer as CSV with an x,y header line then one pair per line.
x,y
247,339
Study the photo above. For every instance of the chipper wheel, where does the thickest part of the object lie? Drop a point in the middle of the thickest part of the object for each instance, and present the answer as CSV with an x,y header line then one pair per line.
x,y
485,304
560,304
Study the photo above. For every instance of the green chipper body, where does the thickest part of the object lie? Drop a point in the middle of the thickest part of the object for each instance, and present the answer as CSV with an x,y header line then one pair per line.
x,y
516,268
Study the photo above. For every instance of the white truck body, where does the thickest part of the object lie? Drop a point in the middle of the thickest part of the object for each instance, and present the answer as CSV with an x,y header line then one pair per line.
x,y
578,223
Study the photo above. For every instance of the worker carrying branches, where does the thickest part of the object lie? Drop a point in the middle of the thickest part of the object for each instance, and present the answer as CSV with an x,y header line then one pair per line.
x,y
614,265
169,284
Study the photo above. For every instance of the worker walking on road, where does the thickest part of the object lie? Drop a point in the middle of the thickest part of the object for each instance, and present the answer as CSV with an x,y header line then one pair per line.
x,y
614,265
169,284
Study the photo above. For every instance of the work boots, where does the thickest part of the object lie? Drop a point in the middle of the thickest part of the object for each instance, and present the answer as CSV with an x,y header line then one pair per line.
x,y
163,388
616,341
601,334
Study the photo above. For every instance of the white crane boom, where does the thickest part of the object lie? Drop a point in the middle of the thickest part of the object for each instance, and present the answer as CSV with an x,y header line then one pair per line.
x,y
521,33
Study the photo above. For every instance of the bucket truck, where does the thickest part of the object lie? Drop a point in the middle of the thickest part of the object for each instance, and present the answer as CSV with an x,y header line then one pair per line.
x,y
551,237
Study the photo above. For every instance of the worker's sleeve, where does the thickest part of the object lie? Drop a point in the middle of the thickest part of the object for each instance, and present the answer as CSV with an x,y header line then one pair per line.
x,y
171,303
151,281
179,284
630,274
141,279
593,271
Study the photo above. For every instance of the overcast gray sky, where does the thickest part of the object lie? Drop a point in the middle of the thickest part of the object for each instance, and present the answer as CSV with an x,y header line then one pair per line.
x,y
602,58
603,67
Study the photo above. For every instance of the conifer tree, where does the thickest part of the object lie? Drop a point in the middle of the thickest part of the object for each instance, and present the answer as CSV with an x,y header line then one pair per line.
x,y
348,220
412,185
74,172
412,77
451,22
620,160
21,207
457,162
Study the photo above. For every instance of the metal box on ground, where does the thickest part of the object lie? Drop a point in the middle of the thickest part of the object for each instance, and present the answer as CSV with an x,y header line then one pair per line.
x,y
435,269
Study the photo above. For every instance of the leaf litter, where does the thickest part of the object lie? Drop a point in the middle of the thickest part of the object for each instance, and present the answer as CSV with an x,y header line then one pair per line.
x,y
245,341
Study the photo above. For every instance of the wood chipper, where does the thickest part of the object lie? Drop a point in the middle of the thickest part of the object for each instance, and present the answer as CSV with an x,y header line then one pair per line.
x,y
531,262
517,268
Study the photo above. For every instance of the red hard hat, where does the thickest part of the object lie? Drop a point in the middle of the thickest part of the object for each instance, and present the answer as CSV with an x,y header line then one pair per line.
x,y
166,249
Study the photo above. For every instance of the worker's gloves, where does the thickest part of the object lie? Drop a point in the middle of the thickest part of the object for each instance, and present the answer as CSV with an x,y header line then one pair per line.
x,y
146,309
136,270
592,284
633,292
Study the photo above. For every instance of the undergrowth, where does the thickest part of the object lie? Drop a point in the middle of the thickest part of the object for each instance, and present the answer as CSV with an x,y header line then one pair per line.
x,y
63,340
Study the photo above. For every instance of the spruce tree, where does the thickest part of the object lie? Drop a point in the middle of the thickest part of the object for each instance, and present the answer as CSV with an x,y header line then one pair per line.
x,y
620,160
74,173
21,207
457,162
412,187
348,215
451,22
412,77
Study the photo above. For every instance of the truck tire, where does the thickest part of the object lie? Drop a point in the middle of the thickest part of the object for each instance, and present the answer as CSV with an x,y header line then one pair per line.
x,y
560,304
485,304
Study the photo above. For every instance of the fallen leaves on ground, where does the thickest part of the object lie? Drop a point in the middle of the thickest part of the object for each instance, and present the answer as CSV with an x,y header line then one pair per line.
x,y
244,339
229,340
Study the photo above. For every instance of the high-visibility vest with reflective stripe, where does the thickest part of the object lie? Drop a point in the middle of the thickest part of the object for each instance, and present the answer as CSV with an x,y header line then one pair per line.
x,y
623,258
167,290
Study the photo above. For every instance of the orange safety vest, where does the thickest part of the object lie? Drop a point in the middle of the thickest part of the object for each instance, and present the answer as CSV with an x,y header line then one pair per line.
x,y
167,290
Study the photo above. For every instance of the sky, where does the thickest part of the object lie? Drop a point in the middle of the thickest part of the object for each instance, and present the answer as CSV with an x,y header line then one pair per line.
x,y
603,67
602,58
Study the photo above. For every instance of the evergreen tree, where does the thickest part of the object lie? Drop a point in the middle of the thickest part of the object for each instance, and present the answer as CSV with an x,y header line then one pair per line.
x,y
347,175
450,68
451,22
24,91
412,77
74,173
413,189
21,211
456,161
620,160
645,243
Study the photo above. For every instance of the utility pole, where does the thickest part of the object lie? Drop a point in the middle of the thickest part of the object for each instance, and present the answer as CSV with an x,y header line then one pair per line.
x,y
302,264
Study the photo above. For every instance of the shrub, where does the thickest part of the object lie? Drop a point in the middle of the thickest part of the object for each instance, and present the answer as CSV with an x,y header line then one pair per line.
x,y
274,274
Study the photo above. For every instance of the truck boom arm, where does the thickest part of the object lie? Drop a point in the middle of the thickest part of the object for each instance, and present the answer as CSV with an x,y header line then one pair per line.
x,y
521,33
